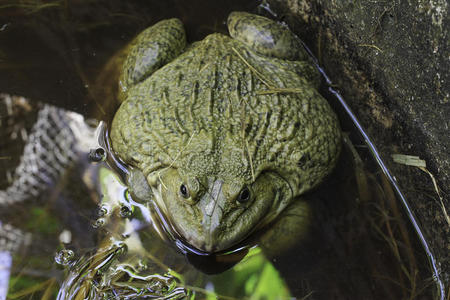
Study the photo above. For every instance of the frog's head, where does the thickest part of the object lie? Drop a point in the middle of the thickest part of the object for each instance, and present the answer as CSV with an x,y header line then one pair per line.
x,y
212,213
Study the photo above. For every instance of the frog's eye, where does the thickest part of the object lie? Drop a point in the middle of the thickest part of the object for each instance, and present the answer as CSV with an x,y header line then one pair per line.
x,y
184,192
244,196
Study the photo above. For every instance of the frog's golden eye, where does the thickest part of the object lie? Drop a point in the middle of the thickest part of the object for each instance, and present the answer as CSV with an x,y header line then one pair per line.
x,y
184,192
244,196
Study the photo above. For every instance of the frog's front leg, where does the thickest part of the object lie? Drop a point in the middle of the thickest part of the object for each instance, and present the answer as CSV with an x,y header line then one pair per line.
x,y
290,228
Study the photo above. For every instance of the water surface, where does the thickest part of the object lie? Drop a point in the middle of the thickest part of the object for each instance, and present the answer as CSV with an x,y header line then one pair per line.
x,y
361,244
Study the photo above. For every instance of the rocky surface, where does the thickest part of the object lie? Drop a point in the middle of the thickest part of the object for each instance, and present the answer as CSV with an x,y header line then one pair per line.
x,y
390,61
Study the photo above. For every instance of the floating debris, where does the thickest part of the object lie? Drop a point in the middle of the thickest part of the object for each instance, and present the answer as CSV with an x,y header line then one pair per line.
x,y
409,160
415,161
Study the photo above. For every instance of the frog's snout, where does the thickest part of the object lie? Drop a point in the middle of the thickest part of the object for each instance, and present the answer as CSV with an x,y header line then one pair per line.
x,y
211,205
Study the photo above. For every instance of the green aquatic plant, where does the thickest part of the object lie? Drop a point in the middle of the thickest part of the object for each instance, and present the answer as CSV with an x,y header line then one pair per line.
x,y
254,278
23,287
42,221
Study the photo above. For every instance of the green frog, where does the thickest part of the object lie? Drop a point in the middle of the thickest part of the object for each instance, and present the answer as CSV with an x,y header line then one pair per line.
x,y
226,134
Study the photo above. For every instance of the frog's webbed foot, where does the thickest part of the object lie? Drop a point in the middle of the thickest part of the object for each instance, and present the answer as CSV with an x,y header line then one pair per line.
x,y
150,50
265,36
289,229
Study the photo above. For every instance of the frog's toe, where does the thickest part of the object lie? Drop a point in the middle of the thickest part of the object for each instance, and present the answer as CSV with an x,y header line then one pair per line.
x,y
265,36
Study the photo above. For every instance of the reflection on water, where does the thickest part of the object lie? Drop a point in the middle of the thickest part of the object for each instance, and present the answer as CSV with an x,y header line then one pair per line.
x,y
360,246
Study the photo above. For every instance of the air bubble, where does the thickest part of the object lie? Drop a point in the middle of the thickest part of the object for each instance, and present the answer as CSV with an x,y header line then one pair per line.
x,y
97,155
64,257
99,223
125,211
102,211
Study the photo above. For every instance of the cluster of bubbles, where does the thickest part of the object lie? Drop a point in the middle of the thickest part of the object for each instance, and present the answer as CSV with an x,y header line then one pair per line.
x,y
116,268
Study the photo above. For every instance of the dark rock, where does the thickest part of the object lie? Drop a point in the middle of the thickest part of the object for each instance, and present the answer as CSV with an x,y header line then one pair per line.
x,y
390,60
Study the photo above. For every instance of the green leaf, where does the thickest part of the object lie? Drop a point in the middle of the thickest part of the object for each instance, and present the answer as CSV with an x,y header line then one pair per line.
x,y
254,277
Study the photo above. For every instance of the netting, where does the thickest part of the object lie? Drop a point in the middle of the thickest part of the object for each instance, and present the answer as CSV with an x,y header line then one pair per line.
x,y
56,141
12,239
48,152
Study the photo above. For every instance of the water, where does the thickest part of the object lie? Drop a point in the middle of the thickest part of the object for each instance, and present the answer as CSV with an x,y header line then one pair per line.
x,y
361,244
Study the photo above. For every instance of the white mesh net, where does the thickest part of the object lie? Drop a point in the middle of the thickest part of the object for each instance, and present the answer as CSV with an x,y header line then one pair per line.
x,y
56,140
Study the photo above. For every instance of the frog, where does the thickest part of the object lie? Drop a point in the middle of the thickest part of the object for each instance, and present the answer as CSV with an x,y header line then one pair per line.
x,y
224,136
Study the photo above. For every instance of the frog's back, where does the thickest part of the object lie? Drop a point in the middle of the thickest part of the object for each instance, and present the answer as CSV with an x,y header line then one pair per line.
x,y
218,97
